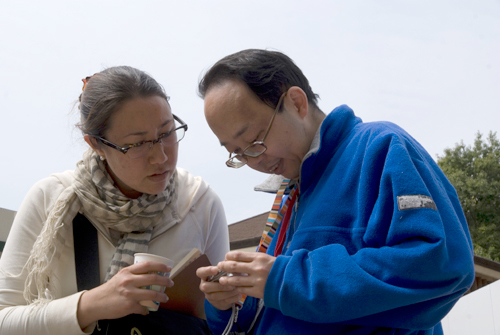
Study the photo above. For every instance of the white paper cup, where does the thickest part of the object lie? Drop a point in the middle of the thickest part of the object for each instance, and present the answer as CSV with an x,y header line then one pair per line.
x,y
142,257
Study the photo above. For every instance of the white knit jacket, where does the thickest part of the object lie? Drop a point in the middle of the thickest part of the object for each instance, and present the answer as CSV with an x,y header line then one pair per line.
x,y
203,225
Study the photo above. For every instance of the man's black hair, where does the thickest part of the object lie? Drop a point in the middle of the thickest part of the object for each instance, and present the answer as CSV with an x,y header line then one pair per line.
x,y
267,73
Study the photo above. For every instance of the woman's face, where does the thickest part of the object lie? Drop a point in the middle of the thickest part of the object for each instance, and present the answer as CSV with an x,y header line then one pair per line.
x,y
140,119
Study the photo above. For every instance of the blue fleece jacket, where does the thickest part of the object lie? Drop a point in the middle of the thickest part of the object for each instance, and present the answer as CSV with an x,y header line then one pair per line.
x,y
378,243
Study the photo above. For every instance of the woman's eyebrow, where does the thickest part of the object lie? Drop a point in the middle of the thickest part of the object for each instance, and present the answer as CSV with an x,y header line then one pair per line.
x,y
142,133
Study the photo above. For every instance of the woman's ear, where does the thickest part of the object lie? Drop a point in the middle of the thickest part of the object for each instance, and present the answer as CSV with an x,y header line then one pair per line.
x,y
92,142
299,100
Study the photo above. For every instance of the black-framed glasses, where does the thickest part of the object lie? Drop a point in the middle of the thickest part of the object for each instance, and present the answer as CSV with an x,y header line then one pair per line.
x,y
141,149
256,148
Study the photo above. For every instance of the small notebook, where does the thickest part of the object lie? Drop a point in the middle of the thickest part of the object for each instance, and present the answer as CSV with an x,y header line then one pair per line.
x,y
185,296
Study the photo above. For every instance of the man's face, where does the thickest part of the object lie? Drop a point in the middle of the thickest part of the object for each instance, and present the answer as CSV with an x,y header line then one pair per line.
x,y
237,117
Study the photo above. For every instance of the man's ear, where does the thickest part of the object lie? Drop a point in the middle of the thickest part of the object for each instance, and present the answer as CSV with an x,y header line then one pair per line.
x,y
92,142
299,100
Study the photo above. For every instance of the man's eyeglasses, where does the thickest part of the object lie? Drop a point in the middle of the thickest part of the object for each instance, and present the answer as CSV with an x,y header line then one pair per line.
x,y
141,149
256,148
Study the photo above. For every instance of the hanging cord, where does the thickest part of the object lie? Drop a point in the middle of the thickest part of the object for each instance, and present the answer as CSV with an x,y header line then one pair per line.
x,y
259,308
232,319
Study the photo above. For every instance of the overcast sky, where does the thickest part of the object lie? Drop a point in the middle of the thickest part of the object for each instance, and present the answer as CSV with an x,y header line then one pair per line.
x,y
433,67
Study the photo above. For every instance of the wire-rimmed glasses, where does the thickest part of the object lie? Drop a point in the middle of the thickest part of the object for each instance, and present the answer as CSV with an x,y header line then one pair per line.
x,y
256,148
142,149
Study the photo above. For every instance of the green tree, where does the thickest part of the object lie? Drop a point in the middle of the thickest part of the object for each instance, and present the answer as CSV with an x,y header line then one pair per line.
x,y
474,171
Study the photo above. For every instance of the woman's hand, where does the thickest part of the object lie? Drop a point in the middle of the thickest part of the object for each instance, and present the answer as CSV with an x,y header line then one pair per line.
x,y
220,296
120,296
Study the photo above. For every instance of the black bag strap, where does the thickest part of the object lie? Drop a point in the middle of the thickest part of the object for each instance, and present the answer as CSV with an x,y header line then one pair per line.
x,y
87,277
86,253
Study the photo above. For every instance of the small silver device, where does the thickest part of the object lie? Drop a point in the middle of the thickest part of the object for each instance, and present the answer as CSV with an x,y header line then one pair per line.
x,y
215,278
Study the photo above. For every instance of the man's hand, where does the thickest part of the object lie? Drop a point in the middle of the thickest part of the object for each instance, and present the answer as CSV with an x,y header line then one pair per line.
x,y
254,268
220,296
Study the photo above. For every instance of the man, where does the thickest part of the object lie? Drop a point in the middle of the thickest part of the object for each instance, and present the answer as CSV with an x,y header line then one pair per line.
x,y
375,241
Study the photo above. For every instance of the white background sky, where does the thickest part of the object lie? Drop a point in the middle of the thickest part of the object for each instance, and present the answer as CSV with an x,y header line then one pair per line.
x,y
431,66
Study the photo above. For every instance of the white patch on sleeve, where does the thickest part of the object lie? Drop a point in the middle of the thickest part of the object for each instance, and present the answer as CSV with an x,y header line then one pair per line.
x,y
415,201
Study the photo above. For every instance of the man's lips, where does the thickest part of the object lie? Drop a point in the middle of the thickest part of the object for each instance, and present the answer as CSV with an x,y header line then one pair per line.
x,y
274,168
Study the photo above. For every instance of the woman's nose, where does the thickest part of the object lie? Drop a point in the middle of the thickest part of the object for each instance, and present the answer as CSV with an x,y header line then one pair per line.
x,y
157,154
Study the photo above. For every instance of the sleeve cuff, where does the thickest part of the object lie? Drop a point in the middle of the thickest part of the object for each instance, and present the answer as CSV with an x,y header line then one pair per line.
x,y
65,311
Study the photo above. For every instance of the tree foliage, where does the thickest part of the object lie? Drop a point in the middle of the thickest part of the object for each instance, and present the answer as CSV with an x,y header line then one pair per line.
x,y
474,171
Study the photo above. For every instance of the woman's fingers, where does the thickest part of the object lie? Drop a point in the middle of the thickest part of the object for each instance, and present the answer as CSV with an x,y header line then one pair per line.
x,y
122,294
147,273
148,266
146,294
148,279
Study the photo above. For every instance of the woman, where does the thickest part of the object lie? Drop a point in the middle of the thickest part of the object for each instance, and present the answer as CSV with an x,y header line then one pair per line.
x,y
129,188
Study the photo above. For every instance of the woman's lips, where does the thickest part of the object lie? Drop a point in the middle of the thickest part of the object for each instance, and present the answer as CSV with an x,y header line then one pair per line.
x,y
159,176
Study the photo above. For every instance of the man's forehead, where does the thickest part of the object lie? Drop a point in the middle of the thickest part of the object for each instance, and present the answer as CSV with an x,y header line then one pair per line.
x,y
230,109
235,114
224,103
230,93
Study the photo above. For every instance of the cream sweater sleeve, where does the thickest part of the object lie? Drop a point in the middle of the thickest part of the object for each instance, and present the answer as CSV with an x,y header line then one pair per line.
x,y
60,315
216,230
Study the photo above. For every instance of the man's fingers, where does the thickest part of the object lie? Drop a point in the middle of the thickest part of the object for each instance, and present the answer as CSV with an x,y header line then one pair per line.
x,y
211,287
250,291
234,267
224,297
241,256
206,272
238,280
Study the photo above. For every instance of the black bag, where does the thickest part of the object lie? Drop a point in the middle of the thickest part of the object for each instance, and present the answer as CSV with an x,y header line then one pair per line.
x,y
160,322
163,321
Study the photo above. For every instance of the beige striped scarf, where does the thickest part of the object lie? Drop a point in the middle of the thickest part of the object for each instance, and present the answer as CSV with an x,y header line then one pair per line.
x,y
94,193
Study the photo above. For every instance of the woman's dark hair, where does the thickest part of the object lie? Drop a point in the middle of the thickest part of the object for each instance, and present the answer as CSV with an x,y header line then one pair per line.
x,y
106,91
267,73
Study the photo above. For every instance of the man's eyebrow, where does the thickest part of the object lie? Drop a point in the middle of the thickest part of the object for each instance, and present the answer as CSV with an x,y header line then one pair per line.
x,y
237,134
